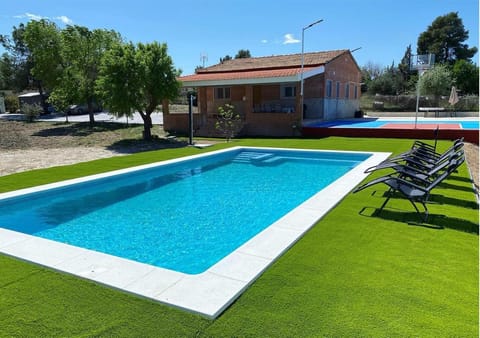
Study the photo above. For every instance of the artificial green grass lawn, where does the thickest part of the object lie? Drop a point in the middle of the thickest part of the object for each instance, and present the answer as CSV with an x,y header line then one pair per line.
x,y
357,272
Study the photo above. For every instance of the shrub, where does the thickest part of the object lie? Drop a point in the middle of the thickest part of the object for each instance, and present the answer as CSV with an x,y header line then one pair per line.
x,y
228,123
11,103
31,111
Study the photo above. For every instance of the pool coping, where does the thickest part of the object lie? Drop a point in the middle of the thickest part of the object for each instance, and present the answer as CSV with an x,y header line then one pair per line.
x,y
208,293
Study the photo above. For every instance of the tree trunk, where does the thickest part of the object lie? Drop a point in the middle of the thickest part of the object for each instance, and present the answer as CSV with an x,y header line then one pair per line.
x,y
90,113
42,97
147,125
165,107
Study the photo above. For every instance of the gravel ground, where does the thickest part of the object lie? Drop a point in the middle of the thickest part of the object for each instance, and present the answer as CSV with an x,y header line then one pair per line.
x,y
471,154
27,146
14,161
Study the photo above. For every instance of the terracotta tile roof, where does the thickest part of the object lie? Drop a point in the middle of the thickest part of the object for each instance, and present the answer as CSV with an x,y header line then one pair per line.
x,y
236,75
275,68
273,62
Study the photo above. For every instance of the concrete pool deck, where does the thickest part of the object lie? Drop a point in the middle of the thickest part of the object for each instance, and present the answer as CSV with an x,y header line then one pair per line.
x,y
208,293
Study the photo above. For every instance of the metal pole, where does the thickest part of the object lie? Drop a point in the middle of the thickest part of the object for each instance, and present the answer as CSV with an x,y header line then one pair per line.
x,y
301,76
418,100
190,121
302,65
420,71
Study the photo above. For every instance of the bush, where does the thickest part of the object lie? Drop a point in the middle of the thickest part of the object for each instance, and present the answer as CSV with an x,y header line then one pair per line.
x,y
228,123
11,103
31,111
467,103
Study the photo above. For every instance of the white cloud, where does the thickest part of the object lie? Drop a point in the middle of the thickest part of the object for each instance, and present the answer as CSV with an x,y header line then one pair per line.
x,y
65,19
264,41
288,39
29,16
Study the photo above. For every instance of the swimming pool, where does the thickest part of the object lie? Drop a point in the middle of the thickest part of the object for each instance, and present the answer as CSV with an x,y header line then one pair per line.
x,y
206,288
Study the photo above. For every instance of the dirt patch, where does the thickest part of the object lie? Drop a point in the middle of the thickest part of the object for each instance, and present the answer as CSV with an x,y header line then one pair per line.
x,y
14,161
27,146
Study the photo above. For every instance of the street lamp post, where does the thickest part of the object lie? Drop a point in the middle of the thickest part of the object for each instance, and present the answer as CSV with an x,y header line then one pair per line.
x,y
301,73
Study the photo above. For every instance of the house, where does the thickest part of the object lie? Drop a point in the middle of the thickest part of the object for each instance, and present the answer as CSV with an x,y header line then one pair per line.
x,y
267,92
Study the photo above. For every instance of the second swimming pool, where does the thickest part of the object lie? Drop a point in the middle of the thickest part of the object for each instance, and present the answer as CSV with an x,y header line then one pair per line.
x,y
385,123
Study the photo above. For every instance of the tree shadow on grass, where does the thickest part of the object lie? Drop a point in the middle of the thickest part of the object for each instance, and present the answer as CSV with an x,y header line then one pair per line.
x,y
435,221
78,129
131,146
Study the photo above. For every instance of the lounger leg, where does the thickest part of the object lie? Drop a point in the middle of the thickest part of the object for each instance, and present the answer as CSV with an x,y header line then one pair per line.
x,y
426,212
388,198
424,219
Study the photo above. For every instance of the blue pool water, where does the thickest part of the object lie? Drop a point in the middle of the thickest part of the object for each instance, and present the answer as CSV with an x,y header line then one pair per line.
x,y
375,123
184,216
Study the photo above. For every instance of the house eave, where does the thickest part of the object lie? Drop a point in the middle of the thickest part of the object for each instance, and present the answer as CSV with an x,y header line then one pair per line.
x,y
254,80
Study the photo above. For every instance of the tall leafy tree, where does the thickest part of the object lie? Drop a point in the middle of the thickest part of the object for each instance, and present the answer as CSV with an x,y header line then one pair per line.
x,y
118,81
7,72
16,63
437,81
243,54
44,42
82,50
387,83
225,58
445,38
466,76
138,78
67,60
405,71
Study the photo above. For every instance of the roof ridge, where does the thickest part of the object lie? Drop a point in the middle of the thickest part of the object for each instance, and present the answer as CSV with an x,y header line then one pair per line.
x,y
273,61
300,54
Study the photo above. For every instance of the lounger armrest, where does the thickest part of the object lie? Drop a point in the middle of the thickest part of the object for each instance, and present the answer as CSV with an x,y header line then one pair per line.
x,y
372,182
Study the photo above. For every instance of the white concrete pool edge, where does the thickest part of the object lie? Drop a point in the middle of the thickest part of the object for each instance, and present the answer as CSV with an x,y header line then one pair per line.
x,y
208,293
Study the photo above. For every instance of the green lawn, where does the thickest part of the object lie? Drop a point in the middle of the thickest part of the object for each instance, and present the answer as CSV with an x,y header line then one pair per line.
x,y
356,273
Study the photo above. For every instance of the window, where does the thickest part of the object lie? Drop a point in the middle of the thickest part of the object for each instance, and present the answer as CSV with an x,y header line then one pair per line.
x,y
347,90
355,93
288,91
337,90
222,93
329,88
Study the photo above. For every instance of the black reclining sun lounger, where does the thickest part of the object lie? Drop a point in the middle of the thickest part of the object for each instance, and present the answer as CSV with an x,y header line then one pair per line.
x,y
420,173
410,187
422,159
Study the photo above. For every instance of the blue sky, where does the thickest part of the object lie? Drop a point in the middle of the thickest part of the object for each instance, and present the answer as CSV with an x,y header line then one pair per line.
x,y
212,29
